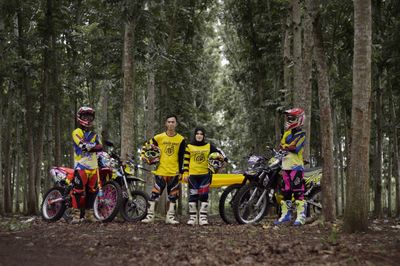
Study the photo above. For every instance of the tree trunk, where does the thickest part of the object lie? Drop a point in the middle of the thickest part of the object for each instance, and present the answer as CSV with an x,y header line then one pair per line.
x,y
150,114
377,172
7,152
395,145
103,110
57,134
337,163
287,63
389,185
357,203
26,83
328,180
127,121
307,72
17,169
2,41
298,88
48,34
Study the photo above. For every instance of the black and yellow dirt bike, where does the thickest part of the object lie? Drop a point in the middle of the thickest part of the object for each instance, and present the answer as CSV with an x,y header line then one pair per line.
x,y
250,200
134,202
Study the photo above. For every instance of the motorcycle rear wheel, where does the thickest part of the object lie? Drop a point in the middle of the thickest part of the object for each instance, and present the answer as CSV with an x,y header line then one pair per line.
x,y
53,212
105,208
226,203
244,204
136,209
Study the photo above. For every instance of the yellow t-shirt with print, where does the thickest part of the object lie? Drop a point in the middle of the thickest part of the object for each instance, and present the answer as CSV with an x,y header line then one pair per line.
x,y
197,157
169,158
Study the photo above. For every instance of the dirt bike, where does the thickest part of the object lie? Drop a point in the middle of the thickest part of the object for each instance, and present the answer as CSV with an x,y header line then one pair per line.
x,y
259,191
57,201
134,202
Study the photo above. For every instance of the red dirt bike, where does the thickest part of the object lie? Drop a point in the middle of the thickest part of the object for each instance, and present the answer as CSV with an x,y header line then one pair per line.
x,y
57,202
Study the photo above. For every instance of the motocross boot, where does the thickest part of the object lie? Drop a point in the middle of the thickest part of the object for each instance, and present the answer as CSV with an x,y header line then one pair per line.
x,y
301,208
89,216
203,213
170,218
76,215
192,213
150,213
286,215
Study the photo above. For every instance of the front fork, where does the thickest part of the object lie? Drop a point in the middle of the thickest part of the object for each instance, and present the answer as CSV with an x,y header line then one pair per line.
x,y
260,199
127,190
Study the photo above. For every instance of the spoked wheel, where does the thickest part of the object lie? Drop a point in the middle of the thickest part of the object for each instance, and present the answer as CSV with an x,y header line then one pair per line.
x,y
314,203
135,209
53,206
226,203
106,207
250,204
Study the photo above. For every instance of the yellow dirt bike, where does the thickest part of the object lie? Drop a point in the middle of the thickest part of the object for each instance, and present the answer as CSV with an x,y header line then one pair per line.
x,y
249,201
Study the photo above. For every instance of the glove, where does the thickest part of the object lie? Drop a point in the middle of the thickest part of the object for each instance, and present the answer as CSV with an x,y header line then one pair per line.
x,y
87,146
90,146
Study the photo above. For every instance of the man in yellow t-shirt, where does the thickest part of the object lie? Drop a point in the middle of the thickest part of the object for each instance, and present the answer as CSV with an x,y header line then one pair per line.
x,y
172,149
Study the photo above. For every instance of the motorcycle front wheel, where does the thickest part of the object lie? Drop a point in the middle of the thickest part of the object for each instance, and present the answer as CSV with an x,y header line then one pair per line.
x,y
135,210
250,204
53,205
226,203
106,206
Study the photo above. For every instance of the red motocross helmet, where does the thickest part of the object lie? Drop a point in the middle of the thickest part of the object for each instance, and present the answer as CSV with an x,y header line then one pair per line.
x,y
294,118
85,116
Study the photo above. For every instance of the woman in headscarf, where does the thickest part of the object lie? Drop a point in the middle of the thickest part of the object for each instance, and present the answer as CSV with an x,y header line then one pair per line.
x,y
196,169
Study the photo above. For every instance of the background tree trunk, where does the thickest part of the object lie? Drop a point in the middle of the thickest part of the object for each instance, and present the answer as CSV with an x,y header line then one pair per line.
x,y
328,180
287,65
377,162
395,147
357,203
127,121
298,87
7,151
307,72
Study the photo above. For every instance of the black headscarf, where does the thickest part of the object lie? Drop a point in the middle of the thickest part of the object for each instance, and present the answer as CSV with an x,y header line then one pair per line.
x,y
199,143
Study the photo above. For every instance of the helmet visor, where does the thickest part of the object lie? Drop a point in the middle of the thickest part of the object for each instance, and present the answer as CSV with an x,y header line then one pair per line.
x,y
87,117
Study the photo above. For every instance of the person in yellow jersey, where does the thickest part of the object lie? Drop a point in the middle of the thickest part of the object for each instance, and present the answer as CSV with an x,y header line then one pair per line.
x,y
198,175
86,144
172,149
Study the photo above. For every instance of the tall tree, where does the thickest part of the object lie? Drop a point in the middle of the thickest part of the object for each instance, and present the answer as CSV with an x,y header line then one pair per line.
x,y
357,203
328,182
298,86
128,110
307,71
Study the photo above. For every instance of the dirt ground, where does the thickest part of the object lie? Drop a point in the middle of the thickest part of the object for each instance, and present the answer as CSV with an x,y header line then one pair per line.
x,y
31,241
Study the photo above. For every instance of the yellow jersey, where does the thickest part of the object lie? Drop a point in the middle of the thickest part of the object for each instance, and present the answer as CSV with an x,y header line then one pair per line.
x,y
172,150
84,160
293,141
196,159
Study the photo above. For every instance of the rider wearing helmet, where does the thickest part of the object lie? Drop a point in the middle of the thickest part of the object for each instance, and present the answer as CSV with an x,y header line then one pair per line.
x,y
166,150
202,159
86,144
293,141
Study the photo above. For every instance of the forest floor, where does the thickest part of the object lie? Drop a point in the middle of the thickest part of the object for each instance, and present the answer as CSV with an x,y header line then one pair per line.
x,y
31,241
